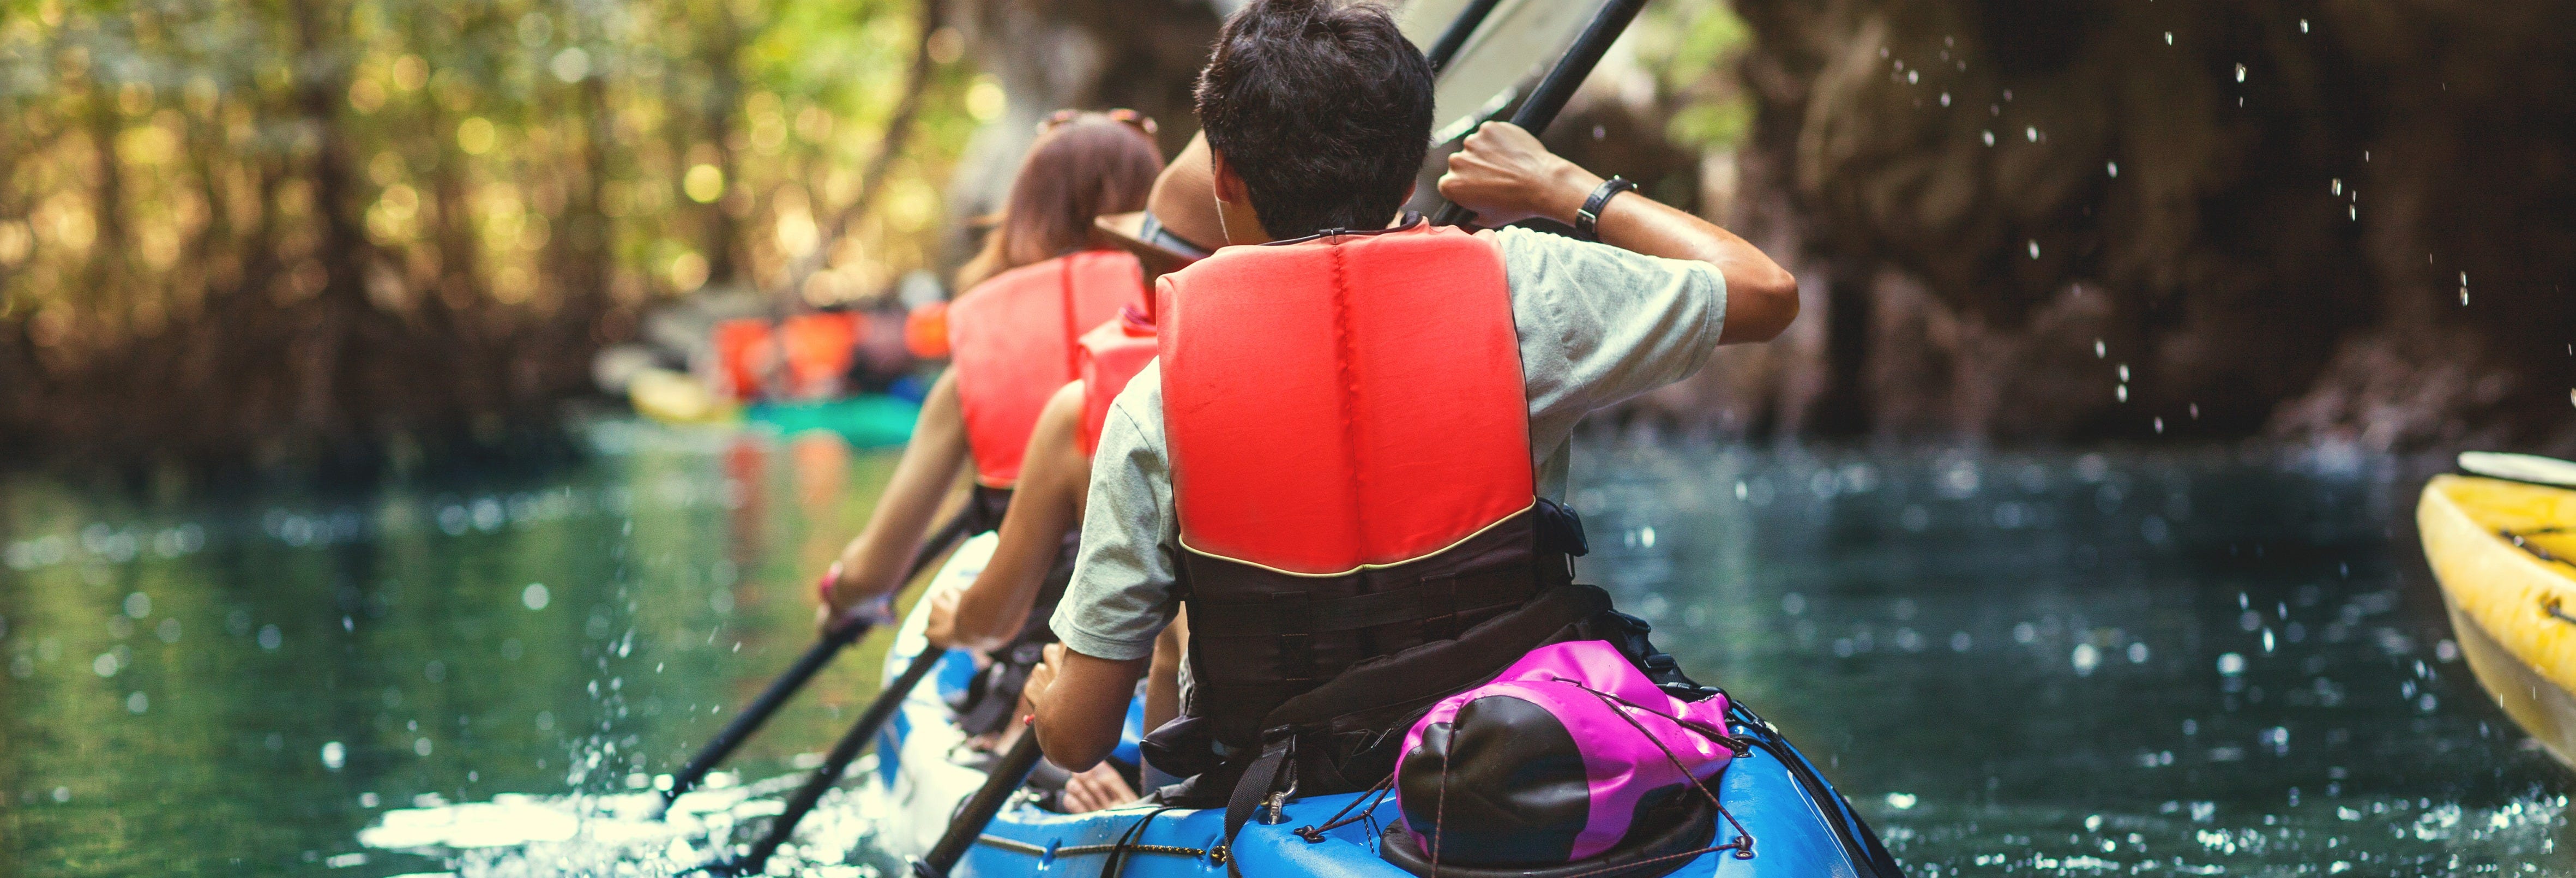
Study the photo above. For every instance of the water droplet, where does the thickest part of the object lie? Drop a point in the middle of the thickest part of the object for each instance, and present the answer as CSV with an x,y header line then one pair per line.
x,y
2085,659
104,665
2231,664
1945,99
534,596
2030,133
139,605
1901,801
2303,25
1989,136
168,631
2168,38
2138,652
2122,392
420,746
2100,350
1913,76
2114,168
62,794
138,703
334,755
2160,426
2034,249
2240,73
270,638
2124,371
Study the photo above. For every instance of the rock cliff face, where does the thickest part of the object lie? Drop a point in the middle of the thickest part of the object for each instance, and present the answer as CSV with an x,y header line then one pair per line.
x,y
2073,219
2065,219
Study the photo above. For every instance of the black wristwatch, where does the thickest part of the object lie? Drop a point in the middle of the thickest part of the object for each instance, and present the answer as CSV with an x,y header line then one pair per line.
x,y
1587,219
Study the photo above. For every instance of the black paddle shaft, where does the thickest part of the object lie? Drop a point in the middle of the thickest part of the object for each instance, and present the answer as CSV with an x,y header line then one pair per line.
x,y
1446,47
838,761
1548,99
806,666
1005,779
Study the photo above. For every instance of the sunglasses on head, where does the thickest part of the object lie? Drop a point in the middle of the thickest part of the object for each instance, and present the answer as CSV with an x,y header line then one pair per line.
x,y
1127,117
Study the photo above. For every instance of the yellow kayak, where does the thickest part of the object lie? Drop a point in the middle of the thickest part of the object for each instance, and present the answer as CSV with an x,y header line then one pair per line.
x,y
2505,553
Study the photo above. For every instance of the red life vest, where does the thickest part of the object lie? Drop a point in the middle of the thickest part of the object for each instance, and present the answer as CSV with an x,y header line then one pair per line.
x,y
1349,439
1344,403
1013,339
1111,355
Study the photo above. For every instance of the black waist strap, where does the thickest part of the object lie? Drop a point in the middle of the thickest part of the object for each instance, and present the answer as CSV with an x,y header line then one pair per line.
x,y
1297,613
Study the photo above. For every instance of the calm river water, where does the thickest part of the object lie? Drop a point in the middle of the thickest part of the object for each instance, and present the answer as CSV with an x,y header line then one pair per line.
x,y
2125,662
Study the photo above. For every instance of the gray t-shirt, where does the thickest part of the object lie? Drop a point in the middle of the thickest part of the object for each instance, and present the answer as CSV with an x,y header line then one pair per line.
x,y
1597,326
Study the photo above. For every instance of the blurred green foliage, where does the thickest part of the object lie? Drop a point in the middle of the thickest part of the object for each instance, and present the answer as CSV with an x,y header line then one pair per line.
x,y
466,167
1692,47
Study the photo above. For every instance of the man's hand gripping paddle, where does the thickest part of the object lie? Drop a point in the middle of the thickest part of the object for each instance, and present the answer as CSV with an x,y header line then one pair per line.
x,y
1548,99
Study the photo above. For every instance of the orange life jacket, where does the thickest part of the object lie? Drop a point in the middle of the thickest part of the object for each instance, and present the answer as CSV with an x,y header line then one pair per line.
x,y
1359,525
1112,354
1349,439
1346,402
1013,340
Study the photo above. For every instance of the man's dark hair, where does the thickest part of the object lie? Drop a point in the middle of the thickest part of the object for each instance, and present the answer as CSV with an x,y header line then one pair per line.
x,y
1322,107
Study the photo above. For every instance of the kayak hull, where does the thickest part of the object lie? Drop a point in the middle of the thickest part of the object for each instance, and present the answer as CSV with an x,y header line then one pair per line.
x,y
2510,607
1799,825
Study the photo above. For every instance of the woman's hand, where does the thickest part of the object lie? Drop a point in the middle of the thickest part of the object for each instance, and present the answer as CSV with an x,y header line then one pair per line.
x,y
942,629
1506,176
1100,787
839,609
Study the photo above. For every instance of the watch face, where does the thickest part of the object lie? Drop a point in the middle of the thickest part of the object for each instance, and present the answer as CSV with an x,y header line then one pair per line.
x,y
1517,43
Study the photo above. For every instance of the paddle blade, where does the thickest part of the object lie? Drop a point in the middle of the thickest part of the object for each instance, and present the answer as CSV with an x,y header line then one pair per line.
x,y
1517,42
2520,467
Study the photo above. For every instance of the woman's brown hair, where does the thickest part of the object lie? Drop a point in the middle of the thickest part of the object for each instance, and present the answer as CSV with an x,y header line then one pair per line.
x,y
1089,166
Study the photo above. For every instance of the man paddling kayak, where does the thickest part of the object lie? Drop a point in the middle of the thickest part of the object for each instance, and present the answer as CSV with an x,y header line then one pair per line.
x,y
1346,461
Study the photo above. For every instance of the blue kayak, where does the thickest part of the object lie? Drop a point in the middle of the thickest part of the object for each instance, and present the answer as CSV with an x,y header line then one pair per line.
x,y
1798,825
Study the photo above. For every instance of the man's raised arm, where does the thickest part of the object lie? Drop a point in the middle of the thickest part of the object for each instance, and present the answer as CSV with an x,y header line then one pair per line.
x,y
1506,176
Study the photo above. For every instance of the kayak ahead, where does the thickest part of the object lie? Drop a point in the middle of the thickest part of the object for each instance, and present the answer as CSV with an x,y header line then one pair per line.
x,y
1796,823
2502,551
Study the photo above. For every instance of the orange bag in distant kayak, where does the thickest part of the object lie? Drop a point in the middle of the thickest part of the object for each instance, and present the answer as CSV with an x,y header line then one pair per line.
x,y
744,352
817,349
925,332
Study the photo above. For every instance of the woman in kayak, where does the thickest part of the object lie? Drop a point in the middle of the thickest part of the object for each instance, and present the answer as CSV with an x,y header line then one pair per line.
x,y
1037,283
1007,605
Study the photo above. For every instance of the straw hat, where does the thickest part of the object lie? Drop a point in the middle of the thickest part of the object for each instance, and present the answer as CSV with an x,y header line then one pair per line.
x,y
1179,224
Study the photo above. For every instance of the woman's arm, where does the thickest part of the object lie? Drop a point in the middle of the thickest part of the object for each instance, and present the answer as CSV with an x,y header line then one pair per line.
x,y
1506,176
1055,479
873,564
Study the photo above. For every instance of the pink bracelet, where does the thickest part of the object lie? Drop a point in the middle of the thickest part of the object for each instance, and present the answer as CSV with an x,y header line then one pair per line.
x,y
823,587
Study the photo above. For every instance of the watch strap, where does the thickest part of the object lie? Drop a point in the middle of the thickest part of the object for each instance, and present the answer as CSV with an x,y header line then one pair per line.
x,y
1588,219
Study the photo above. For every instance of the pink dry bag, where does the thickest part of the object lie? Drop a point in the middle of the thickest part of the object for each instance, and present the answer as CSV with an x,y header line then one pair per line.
x,y
1570,753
